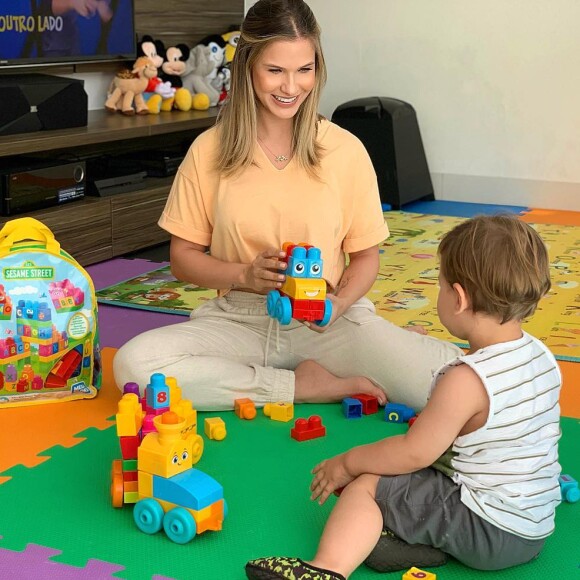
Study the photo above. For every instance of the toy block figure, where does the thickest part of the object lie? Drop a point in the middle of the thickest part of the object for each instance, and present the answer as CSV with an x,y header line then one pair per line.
x,y
352,408
569,488
245,408
370,404
279,411
398,413
414,573
304,430
215,428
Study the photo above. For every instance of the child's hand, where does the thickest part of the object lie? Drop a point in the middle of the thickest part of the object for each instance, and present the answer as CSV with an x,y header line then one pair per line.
x,y
329,476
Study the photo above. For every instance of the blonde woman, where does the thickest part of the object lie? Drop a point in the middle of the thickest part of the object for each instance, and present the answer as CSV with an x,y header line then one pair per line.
x,y
273,170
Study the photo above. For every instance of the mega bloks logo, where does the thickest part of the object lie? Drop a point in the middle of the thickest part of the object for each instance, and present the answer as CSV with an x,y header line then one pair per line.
x,y
80,387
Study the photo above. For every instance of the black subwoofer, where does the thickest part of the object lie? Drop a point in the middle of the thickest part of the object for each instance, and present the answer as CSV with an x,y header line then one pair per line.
x,y
390,133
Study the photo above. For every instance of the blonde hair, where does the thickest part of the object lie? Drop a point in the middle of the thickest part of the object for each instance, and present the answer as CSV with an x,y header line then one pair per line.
x,y
501,263
266,22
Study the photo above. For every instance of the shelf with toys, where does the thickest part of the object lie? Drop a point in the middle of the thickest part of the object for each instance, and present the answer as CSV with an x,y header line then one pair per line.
x,y
93,229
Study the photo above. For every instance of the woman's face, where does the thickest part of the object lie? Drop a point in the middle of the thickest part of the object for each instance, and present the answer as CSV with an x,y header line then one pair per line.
x,y
284,76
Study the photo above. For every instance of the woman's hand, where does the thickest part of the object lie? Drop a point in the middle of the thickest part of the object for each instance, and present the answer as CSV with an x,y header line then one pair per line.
x,y
262,274
339,307
329,475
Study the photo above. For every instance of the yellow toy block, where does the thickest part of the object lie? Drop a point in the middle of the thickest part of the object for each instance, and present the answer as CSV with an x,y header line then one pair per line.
x,y
145,484
279,411
183,408
130,416
245,408
174,390
131,497
415,573
166,453
215,428
304,288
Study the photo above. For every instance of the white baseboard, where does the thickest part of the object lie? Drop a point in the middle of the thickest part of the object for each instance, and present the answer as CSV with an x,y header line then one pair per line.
x,y
507,191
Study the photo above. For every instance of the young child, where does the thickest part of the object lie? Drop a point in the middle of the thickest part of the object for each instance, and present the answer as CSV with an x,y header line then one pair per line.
x,y
476,476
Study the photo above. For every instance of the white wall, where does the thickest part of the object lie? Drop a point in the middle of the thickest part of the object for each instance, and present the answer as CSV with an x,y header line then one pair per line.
x,y
495,84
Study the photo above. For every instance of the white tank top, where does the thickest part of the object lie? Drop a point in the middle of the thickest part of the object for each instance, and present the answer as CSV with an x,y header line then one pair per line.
x,y
508,469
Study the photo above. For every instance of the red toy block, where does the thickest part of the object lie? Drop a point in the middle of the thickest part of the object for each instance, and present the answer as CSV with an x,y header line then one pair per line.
x,y
412,420
304,430
54,382
67,365
370,404
129,446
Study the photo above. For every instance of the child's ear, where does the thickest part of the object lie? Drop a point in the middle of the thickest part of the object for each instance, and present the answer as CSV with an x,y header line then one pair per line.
x,y
461,298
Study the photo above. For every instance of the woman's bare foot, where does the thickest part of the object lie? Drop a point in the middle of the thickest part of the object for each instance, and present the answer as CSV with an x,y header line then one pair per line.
x,y
314,384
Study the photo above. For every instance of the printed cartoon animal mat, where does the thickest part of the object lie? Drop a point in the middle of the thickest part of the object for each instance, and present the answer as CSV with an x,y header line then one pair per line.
x,y
406,288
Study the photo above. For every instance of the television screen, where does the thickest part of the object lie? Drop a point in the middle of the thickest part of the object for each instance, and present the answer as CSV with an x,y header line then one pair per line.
x,y
43,32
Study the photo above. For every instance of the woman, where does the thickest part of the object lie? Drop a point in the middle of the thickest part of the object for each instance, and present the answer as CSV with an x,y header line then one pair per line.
x,y
272,170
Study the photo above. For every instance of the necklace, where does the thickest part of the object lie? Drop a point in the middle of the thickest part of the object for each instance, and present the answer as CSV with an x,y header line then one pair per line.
x,y
277,158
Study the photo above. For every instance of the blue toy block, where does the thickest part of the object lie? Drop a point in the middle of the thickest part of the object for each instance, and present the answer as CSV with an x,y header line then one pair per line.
x,y
352,408
192,489
398,413
569,488
157,392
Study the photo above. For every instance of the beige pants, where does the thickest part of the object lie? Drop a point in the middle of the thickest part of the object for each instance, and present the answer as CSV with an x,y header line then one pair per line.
x,y
230,348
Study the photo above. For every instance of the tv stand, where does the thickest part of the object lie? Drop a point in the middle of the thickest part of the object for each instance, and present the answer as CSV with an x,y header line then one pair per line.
x,y
94,229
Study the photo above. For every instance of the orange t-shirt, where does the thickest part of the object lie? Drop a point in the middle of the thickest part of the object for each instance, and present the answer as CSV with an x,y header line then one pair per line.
x,y
238,217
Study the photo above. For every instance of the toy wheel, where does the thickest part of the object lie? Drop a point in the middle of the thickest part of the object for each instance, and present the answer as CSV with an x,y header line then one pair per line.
x,y
327,313
117,489
179,525
271,300
196,449
148,515
284,310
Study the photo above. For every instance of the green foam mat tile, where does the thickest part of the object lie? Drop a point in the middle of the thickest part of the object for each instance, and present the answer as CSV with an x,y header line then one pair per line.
x,y
65,504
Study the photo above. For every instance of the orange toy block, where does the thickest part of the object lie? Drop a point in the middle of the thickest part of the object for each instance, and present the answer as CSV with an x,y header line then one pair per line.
x,y
415,573
279,411
215,428
245,409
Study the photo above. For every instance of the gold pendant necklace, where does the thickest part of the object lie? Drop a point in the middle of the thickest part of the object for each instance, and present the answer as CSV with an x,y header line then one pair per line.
x,y
277,158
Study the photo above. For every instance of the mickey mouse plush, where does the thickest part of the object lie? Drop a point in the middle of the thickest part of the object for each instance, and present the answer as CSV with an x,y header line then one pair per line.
x,y
158,93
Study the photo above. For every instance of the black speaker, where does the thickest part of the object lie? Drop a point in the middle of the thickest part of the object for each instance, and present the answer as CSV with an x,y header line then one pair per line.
x,y
390,133
36,102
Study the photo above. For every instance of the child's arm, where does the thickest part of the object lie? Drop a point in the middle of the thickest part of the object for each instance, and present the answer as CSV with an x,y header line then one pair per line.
x,y
458,405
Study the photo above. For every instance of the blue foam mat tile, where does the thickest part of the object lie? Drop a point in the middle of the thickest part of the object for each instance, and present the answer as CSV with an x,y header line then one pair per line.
x,y
461,208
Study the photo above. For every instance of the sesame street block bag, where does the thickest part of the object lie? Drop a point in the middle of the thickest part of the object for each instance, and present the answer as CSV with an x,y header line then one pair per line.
x,y
48,320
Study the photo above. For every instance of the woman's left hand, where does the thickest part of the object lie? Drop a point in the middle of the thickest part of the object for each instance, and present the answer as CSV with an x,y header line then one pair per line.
x,y
329,475
339,307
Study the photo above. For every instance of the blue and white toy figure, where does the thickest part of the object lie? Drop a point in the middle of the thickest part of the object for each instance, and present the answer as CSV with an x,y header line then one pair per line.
x,y
303,294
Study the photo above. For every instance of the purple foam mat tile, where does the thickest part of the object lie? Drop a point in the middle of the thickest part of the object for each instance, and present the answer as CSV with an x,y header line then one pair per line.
x,y
118,325
118,269
34,562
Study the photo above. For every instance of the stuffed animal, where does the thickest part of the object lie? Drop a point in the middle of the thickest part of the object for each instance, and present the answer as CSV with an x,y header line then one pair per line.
x,y
172,70
128,87
232,37
158,93
208,59
197,68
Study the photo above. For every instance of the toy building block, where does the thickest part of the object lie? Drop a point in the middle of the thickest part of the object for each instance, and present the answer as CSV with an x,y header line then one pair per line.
x,y
352,408
569,488
279,411
157,392
370,404
413,419
414,573
304,430
398,413
215,428
129,417
245,408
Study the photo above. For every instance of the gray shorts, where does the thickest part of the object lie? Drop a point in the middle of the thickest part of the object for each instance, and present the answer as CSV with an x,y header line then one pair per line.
x,y
425,508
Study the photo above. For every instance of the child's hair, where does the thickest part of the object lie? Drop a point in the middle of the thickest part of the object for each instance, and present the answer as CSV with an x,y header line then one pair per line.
x,y
501,263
